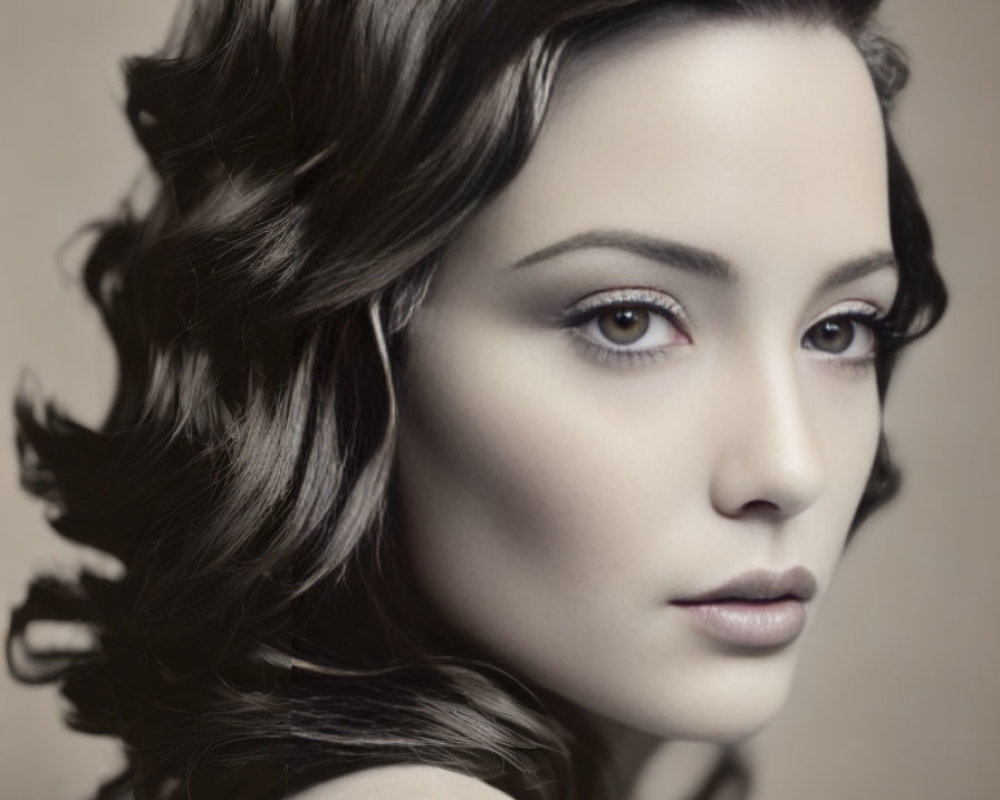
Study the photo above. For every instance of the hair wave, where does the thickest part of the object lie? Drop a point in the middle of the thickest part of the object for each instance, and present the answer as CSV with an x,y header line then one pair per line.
x,y
312,159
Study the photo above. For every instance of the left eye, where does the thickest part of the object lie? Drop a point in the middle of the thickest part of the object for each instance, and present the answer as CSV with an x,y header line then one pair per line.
x,y
841,336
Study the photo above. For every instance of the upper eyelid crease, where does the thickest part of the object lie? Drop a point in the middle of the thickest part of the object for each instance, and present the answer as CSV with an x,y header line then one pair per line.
x,y
650,298
852,308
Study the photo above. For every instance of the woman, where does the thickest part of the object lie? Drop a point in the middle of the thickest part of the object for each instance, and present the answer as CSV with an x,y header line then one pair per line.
x,y
498,386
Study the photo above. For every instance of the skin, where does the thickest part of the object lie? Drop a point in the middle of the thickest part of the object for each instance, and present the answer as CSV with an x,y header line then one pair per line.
x,y
409,781
557,490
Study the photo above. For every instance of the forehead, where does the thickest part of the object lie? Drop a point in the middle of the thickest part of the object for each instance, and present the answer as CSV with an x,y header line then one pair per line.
x,y
729,136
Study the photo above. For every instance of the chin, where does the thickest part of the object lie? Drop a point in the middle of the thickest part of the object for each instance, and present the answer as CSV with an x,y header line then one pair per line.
x,y
734,726
724,702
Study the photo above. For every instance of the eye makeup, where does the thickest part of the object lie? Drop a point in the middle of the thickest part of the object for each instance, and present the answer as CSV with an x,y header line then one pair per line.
x,y
637,326
626,327
849,336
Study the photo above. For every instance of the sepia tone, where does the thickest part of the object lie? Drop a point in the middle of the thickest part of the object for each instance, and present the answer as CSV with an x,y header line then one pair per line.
x,y
898,694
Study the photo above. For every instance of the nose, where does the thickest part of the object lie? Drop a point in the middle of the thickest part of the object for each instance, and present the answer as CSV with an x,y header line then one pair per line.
x,y
769,460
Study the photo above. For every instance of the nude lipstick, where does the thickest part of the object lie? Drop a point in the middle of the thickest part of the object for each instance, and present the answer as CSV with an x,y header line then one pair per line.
x,y
755,610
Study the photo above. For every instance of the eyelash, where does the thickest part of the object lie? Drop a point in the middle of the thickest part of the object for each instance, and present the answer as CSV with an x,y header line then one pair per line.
x,y
670,312
865,316
657,304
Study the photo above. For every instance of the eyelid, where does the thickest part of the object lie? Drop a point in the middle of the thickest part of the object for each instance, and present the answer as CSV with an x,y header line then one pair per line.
x,y
850,308
667,310
868,315
652,299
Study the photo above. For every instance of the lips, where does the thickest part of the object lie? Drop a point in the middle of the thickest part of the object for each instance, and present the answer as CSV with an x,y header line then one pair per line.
x,y
761,585
756,609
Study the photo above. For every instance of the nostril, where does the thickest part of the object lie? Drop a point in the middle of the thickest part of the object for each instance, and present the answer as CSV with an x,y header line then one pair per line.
x,y
760,508
768,472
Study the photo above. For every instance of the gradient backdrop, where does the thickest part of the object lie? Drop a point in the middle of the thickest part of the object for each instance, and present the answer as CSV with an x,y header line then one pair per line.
x,y
898,695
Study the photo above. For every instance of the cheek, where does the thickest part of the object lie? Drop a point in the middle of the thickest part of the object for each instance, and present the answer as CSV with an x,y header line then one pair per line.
x,y
549,510
508,469
850,423
523,496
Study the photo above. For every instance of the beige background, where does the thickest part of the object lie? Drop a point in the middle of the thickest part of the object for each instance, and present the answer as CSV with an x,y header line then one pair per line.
x,y
899,692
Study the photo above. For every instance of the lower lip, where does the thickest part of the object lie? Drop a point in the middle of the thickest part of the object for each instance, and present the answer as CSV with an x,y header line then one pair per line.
x,y
750,624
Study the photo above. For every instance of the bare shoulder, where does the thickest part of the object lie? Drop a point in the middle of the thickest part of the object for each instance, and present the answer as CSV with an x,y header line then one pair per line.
x,y
405,782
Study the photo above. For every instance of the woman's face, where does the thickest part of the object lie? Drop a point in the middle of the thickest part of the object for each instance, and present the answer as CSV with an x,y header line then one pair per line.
x,y
644,372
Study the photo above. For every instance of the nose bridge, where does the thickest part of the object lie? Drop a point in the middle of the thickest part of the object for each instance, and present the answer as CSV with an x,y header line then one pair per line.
x,y
770,455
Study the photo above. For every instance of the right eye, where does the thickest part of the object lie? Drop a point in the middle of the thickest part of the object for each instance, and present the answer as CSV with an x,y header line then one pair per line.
x,y
624,327
629,323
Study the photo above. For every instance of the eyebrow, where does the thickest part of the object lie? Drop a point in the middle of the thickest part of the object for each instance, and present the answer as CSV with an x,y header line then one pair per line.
x,y
857,268
673,254
695,260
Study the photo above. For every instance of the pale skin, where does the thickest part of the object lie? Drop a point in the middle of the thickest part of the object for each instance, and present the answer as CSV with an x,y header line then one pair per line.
x,y
645,369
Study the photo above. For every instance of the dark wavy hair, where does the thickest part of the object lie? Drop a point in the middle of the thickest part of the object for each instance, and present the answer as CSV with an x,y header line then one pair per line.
x,y
312,159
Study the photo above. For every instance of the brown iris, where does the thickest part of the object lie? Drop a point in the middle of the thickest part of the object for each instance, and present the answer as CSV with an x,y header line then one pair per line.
x,y
624,325
831,335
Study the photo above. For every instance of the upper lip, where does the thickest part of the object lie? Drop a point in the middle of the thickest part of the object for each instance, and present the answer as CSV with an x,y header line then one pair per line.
x,y
760,585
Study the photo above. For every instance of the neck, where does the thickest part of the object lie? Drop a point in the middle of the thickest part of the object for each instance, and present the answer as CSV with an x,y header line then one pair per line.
x,y
648,767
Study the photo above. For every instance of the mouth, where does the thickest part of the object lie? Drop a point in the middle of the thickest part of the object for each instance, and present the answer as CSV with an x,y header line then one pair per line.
x,y
758,609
